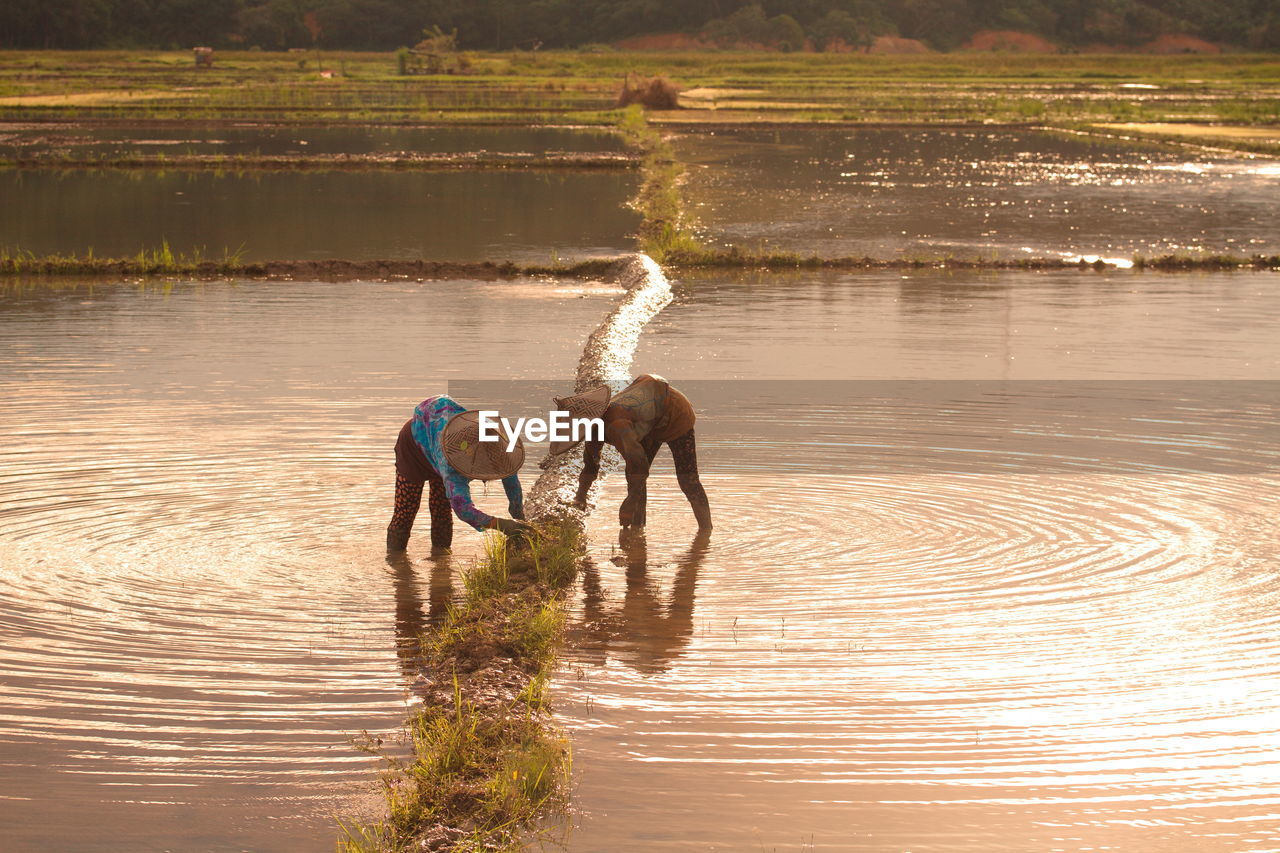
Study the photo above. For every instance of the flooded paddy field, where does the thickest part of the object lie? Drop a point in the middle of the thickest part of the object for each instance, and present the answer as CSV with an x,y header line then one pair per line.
x,y
526,217
1003,579
993,560
974,193
195,479
29,138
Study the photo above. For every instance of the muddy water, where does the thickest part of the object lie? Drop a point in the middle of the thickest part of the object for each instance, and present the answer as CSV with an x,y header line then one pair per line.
x,y
194,484
905,635
529,217
28,139
934,193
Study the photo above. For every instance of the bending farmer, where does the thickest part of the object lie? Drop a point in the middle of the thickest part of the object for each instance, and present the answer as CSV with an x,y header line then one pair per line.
x,y
638,421
440,445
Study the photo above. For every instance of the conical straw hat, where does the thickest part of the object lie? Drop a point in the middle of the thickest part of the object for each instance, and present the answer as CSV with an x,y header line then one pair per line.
x,y
588,404
476,459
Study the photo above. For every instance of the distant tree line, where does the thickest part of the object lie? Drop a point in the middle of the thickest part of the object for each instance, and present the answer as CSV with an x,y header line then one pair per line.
x,y
505,24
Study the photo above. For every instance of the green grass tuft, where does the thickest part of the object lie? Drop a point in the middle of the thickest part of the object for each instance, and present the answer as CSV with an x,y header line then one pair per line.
x,y
664,231
483,771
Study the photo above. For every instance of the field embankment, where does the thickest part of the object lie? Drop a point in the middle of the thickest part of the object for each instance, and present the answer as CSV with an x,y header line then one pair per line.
x,y
157,264
1256,139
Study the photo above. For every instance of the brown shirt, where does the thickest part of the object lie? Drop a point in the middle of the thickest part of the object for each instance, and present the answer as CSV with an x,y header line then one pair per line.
x,y
646,414
653,410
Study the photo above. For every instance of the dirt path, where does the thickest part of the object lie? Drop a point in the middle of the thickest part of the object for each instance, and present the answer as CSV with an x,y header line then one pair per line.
x,y
84,99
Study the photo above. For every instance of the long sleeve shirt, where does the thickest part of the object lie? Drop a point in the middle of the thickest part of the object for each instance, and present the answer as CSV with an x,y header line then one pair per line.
x,y
649,408
429,419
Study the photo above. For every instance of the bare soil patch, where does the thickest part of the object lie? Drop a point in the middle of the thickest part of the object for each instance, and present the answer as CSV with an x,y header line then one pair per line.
x,y
1254,139
1199,131
896,46
1009,41
1173,44
88,98
663,41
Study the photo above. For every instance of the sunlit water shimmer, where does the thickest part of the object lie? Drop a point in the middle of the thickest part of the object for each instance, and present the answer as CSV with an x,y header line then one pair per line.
x,y
975,193
194,483
904,635
1002,580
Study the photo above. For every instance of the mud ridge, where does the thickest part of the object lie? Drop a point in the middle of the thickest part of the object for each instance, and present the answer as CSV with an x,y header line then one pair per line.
x,y
17,265
734,259
310,270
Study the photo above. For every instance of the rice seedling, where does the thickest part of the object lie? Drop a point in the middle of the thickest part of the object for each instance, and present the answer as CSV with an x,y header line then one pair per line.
x,y
486,764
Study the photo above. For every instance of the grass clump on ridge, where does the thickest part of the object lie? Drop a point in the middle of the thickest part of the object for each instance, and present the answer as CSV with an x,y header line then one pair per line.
x,y
161,261
485,764
663,231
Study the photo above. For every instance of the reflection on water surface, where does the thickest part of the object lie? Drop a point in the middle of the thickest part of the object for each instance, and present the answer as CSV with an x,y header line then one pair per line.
x,y
195,479
523,216
29,139
975,193
902,637
887,643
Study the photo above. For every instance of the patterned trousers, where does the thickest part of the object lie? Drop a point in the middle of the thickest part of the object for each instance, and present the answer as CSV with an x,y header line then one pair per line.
x,y
685,455
409,499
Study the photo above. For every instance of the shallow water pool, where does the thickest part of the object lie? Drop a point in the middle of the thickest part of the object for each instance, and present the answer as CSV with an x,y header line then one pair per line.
x,y
1005,580
29,139
195,479
975,193
521,216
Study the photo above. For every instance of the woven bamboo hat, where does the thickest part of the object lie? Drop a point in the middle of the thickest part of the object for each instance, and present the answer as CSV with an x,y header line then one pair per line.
x,y
588,404
476,459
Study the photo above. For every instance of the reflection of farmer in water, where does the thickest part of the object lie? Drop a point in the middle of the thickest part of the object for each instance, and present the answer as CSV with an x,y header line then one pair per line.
x,y
639,420
440,445
642,633
411,621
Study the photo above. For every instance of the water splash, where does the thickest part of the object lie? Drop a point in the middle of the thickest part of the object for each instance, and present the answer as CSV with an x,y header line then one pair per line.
x,y
606,359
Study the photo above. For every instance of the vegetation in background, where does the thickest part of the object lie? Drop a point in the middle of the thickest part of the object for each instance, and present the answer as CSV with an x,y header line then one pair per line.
x,y
486,764
583,88
437,53
505,25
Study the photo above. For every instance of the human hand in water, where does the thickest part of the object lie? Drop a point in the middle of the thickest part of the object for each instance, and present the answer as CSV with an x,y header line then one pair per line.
x,y
515,531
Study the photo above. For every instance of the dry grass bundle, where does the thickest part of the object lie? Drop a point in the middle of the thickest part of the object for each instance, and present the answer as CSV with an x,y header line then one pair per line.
x,y
653,93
